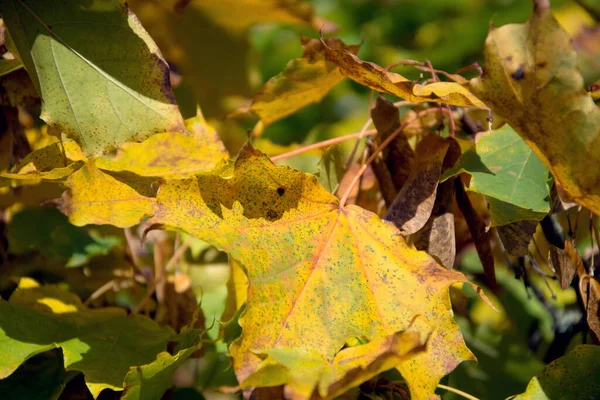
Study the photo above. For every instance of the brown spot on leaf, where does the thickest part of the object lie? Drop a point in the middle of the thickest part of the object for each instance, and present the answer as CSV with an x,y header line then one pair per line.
x,y
518,74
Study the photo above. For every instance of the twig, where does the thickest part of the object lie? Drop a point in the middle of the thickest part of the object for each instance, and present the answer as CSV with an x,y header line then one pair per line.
x,y
178,254
324,143
100,291
378,149
459,392
133,249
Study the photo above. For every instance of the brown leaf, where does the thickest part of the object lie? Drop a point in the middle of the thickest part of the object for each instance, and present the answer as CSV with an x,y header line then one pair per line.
x,y
398,156
516,237
438,237
591,299
565,263
414,203
480,236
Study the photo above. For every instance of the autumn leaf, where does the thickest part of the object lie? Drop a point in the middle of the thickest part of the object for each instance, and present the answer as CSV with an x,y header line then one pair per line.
x,y
48,163
95,197
377,78
114,58
413,204
509,174
169,154
318,274
516,237
37,319
304,80
532,81
331,168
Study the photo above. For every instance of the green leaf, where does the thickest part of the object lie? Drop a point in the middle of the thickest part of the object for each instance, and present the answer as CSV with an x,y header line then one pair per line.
x,y
331,168
102,344
42,377
574,376
509,174
8,66
102,79
151,381
49,232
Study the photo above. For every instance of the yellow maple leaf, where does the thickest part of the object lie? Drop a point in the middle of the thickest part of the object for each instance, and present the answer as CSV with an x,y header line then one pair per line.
x,y
318,273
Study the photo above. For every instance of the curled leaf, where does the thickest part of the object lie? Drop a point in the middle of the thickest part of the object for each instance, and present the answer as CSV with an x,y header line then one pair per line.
x,y
375,77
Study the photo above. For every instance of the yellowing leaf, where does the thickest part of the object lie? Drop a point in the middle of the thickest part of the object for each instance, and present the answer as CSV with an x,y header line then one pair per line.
x,y
304,80
169,154
373,76
532,81
94,197
318,274
302,369
47,163
103,83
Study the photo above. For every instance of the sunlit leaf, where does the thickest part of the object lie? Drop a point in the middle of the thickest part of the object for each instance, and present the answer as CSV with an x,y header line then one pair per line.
x,y
72,51
318,274
305,80
377,78
102,344
574,376
509,174
170,154
94,197
532,81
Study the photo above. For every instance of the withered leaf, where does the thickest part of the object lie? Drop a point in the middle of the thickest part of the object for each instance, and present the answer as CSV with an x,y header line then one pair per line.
x,y
398,155
481,237
565,262
438,236
516,237
413,204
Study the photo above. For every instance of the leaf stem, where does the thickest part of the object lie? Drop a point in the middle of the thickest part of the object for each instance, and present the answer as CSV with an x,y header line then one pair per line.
x,y
381,147
459,392
324,143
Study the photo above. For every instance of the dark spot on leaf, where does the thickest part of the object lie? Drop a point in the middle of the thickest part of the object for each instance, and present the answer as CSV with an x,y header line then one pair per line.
x,y
519,73
509,58
280,191
541,64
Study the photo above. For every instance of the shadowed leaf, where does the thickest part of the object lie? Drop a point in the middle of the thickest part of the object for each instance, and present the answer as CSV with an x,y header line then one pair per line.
x,y
532,81
516,237
318,274
509,174
413,204
41,318
331,169
101,48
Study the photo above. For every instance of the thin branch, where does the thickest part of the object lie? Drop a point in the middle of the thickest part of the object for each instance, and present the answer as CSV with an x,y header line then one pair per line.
x,y
324,143
459,392
100,291
178,254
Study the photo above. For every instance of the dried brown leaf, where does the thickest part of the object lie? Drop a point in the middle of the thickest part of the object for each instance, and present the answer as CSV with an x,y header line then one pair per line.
x,y
414,203
565,262
516,237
